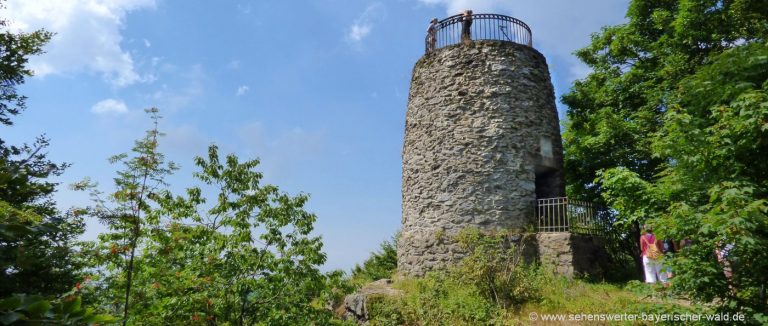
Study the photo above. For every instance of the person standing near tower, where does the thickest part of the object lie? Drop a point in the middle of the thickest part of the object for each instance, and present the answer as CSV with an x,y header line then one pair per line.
x,y
650,250
466,24
432,35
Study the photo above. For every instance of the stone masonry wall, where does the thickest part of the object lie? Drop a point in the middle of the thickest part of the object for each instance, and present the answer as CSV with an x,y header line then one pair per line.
x,y
573,254
481,125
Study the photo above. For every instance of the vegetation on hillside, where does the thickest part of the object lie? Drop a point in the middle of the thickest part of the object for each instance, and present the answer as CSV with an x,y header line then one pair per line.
x,y
493,285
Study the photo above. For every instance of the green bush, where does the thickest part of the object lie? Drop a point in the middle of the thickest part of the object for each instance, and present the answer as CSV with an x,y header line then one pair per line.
x,y
23,309
380,265
478,291
440,299
384,311
496,267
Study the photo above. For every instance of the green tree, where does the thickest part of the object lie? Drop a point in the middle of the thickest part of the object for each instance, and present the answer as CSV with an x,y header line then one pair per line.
x,y
15,50
38,255
714,185
636,67
246,256
37,243
125,212
615,111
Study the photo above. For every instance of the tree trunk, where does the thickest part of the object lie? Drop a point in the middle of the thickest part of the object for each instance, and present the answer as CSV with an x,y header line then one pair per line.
x,y
129,276
634,235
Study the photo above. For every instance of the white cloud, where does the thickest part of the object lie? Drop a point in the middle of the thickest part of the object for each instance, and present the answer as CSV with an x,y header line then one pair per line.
x,y
357,31
147,43
88,36
109,106
363,25
242,90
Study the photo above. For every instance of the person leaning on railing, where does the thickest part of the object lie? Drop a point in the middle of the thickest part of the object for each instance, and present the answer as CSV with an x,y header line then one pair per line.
x,y
432,35
466,24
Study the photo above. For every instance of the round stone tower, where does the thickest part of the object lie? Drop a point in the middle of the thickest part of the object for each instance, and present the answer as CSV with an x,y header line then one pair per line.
x,y
482,139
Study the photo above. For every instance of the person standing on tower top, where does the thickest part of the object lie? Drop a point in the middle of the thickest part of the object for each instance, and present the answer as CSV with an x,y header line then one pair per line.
x,y
466,24
432,35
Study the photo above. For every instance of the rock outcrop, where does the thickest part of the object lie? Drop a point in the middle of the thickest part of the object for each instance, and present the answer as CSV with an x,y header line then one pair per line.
x,y
355,305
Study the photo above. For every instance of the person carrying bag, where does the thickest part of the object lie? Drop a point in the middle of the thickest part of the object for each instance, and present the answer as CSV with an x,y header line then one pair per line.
x,y
650,249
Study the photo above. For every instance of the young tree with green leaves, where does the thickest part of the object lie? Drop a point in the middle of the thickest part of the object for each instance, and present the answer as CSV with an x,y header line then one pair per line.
x,y
244,255
125,212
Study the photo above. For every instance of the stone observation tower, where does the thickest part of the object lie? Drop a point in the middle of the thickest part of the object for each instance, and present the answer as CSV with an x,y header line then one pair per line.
x,y
482,138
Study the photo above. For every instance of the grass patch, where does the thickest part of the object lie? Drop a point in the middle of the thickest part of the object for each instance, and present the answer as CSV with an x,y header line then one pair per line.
x,y
444,299
565,296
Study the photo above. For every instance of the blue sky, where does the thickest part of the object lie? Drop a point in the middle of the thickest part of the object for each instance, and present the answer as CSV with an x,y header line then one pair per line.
x,y
316,89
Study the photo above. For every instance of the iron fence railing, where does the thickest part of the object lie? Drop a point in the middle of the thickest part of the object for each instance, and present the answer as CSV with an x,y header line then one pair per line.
x,y
481,27
566,215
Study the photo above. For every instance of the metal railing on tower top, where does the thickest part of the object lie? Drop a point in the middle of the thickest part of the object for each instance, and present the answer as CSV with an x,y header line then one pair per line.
x,y
452,30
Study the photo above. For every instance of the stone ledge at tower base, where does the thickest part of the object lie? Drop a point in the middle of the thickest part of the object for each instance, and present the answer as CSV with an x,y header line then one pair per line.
x,y
573,254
